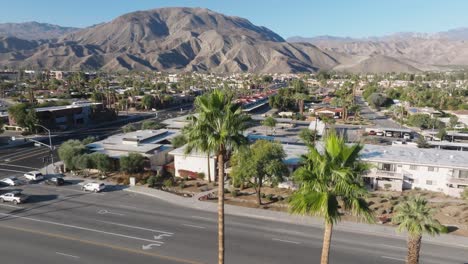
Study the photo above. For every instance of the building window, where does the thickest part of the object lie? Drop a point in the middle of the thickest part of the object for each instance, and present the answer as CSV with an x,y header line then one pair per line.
x,y
413,167
463,174
432,169
429,182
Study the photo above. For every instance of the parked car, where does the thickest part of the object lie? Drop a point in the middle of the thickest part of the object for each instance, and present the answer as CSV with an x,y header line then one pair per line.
x,y
372,133
379,133
34,176
407,136
12,181
15,197
389,134
93,187
57,181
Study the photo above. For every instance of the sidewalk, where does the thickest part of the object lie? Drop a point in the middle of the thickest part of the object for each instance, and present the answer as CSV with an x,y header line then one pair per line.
x,y
361,228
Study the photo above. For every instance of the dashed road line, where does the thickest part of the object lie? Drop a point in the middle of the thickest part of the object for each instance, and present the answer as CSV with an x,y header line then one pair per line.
x,y
135,227
286,241
194,226
12,206
67,255
81,228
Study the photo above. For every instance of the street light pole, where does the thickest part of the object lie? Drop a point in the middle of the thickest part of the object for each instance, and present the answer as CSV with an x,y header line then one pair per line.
x,y
50,142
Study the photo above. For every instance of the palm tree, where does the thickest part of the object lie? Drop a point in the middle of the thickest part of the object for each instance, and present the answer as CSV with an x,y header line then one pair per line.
x,y
330,183
219,125
300,98
416,218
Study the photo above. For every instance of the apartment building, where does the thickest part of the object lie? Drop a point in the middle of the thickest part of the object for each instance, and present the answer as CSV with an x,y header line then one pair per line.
x,y
401,168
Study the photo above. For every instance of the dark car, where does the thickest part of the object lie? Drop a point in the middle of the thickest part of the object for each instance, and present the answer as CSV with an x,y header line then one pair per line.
x,y
57,181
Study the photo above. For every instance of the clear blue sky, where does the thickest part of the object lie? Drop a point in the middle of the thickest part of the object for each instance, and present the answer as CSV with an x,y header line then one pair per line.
x,y
355,18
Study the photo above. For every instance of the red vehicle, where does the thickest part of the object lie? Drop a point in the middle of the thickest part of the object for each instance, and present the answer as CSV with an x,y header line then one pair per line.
x,y
372,133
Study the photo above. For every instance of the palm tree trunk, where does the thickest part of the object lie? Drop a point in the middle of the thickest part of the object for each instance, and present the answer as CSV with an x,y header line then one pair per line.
x,y
414,246
221,207
326,242
209,167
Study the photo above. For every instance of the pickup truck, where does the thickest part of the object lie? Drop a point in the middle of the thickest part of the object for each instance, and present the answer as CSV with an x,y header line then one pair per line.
x,y
16,197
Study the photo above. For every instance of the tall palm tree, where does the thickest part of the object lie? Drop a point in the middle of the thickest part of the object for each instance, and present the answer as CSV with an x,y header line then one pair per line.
x,y
330,183
300,98
221,123
416,218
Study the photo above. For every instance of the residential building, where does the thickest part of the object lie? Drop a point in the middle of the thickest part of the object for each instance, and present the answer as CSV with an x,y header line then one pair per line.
x,y
194,162
400,168
154,145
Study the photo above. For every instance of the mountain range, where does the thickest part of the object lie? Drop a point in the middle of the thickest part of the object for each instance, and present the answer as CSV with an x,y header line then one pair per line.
x,y
198,39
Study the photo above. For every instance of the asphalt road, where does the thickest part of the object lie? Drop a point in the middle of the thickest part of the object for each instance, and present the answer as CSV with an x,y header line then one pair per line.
x,y
378,120
66,225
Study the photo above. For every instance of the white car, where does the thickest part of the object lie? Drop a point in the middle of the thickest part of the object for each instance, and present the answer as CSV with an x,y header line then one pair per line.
x,y
389,134
379,133
407,136
16,197
34,176
93,187
12,181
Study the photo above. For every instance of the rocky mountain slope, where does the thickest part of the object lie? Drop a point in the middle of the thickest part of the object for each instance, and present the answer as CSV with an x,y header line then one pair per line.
x,y
174,39
33,30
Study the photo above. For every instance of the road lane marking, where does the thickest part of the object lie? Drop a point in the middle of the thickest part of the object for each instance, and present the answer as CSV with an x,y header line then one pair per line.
x,y
12,206
17,171
136,227
28,156
286,241
399,259
19,166
149,246
103,212
67,255
201,217
385,245
194,226
82,228
99,244
27,153
18,153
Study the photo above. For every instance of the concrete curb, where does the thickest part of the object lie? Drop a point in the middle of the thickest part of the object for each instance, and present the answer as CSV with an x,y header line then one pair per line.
x,y
353,227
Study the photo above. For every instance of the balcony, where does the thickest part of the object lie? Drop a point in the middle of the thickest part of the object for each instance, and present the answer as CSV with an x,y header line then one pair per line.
x,y
454,180
376,173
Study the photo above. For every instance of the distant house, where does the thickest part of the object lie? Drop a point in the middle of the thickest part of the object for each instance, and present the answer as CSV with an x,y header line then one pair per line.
x,y
424,110
333,112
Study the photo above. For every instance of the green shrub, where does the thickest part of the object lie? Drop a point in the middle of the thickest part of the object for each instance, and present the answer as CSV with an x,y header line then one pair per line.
x,y
263,195
182,185
201,175
168,183
226,191
444,229
270,197
234,193
151,181
464,194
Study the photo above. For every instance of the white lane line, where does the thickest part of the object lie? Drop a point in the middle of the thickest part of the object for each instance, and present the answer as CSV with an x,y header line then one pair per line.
x,y
385,245
194,226
19,166
286,241
399,259
67,255
136,227
82,228
12,206
17,171
69,189
201,217
103,212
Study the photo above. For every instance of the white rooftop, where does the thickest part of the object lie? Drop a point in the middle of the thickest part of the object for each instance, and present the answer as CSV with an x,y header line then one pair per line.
x,y
63,107
141,141
416,156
